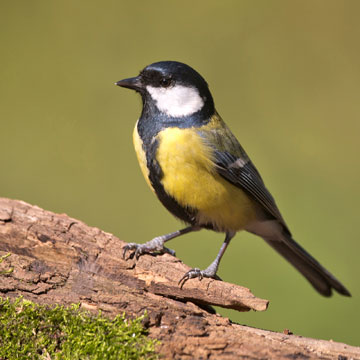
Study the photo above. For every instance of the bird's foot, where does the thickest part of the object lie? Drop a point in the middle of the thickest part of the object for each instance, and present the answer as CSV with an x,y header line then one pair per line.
x,y
209,272
154,246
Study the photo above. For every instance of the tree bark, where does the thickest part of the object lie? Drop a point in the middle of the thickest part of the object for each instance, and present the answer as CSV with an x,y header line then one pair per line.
x,y
57,259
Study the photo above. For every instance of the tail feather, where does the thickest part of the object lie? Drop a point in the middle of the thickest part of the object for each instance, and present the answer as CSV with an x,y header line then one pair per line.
x,y
321,279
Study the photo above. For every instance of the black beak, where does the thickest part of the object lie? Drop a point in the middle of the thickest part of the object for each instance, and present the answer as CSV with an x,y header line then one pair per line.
x,y
131,83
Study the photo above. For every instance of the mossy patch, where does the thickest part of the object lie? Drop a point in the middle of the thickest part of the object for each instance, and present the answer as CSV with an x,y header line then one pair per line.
x,y
7,271
32,331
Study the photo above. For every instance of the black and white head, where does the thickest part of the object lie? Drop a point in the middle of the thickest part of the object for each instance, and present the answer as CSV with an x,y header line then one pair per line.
x,y
173,89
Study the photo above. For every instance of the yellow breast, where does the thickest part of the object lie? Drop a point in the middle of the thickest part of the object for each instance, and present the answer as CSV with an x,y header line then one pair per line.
x,y
190,177
141,155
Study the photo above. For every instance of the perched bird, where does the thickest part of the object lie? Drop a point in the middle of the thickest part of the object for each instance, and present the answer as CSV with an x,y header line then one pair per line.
x,y
202,175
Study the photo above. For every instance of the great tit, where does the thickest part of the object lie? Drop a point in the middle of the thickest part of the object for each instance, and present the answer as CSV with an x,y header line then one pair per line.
x,y
202,175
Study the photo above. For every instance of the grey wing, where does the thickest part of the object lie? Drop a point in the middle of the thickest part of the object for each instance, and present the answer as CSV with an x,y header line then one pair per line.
x,y
241,172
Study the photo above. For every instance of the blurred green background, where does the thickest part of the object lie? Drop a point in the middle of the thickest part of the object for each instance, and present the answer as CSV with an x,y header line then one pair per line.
x,y
285,76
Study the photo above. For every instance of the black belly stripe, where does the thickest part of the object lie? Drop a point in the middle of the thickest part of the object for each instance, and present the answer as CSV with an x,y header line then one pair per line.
x,y
155,175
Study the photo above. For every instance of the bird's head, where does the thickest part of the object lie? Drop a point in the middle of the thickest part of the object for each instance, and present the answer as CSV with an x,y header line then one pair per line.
x,y
174,88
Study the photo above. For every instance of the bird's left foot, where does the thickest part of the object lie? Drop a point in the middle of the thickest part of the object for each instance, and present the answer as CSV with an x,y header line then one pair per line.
x,y
210,272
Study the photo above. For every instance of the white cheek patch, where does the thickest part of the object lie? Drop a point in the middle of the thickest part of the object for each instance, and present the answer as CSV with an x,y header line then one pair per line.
x,y
176,101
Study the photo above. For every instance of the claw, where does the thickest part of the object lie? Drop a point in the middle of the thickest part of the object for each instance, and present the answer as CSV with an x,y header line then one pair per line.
x,y
125,249
129,247
197,273
138,252
191,274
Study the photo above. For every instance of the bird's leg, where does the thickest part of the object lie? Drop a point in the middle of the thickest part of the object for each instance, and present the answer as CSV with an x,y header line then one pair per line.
x,y
156,245
211,270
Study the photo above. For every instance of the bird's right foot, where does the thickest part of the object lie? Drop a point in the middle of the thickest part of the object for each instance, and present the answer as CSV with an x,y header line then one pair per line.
x,y
154,246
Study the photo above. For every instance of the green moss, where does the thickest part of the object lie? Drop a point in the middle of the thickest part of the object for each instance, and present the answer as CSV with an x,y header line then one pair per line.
x,y
31,331
8,271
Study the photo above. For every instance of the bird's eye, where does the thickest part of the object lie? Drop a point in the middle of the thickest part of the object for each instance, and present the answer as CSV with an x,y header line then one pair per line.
x,y
165,82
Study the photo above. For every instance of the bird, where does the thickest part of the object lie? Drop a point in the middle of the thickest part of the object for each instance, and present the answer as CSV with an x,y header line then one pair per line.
x,y
202,175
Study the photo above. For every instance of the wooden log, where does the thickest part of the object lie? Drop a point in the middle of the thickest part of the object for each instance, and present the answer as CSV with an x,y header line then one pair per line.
x,y
57,259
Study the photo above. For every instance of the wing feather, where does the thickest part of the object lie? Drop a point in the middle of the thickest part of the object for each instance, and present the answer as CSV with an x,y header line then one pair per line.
x,y
234,165
244,175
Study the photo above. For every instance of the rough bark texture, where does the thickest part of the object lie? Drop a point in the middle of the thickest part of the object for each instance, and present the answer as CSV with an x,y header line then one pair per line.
x,y
57,259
